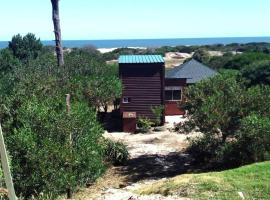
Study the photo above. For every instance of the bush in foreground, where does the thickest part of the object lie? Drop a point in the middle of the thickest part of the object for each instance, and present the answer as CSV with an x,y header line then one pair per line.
x,y
52,150
233,119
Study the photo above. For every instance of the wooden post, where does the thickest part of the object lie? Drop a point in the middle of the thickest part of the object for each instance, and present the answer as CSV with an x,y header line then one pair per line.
x,y
69,190
6,169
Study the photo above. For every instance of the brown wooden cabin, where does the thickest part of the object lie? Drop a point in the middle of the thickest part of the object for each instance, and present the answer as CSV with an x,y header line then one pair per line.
x,y
143,84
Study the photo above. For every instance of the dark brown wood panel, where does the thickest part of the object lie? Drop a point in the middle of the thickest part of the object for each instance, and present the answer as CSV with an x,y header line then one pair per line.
x,y
144,85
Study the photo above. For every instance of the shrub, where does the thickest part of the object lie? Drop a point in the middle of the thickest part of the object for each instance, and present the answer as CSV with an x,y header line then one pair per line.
x,y
54,151
158,112
223,108
253,139
115,152
258,72
144,124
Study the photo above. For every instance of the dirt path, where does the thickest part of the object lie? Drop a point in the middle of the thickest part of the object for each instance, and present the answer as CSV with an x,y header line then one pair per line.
x,y
153,157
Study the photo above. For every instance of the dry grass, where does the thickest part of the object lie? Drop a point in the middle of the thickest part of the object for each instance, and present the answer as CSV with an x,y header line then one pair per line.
x,y
111,179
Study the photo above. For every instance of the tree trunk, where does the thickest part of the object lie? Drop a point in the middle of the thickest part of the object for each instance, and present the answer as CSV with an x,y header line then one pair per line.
x,y
57,32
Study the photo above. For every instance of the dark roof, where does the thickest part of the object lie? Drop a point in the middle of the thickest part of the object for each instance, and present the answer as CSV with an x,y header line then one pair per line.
x,y
192,70
133,59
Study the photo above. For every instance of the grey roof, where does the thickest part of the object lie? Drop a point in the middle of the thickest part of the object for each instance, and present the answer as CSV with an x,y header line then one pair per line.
x,y
133,59
192,70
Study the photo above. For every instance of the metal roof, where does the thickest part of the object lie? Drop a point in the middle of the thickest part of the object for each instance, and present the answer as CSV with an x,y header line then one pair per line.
x,y
133,59
192,70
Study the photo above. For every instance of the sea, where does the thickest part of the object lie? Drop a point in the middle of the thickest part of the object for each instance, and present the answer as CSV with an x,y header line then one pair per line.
x,y
148,43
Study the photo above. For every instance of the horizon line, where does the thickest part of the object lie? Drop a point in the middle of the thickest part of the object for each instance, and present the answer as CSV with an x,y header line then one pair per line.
x,y
169,38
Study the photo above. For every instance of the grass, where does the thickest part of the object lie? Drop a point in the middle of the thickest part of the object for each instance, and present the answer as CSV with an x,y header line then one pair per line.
x,y
252,180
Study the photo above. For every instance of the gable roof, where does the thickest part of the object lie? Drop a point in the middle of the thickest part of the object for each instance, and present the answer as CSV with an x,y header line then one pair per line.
x,y
192,70
134,59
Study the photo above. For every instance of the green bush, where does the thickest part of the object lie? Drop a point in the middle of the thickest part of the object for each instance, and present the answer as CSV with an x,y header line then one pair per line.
x,y
144,124
158,112
51,150
253,139
54,151
223,110
115,152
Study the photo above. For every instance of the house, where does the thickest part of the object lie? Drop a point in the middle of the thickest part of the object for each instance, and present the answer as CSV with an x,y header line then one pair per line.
x,y
145,85
180,77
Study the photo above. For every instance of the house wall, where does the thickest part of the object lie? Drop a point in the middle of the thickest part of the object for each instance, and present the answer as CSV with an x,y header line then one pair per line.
x,y
172,107
144,85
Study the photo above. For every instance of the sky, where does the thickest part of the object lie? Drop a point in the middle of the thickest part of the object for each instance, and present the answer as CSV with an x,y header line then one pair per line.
x,y
136,19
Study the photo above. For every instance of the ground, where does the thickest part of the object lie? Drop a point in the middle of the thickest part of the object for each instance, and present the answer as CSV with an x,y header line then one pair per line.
x,y
247,182
153,156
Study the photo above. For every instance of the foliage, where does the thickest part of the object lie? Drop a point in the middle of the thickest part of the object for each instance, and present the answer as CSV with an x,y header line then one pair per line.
x,y
218,107
7,61
45,158
158,112
251,180
201,55
115,152
49,133
101,91
240,61
257,72
144,124
254,131
218,62
25,48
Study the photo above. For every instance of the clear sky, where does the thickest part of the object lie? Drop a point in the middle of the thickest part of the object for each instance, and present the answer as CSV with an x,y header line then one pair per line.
x,y
128,19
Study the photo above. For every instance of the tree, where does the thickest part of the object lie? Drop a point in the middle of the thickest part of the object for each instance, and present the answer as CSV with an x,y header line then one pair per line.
x,y
201,55
102,90
25,48
57,32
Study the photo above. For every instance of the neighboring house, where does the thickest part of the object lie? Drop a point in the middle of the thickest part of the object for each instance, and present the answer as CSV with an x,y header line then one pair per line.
x,y
178,78
145,85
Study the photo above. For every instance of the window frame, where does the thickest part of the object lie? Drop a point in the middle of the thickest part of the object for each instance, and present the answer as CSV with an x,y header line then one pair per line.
x,y
172,89
128,100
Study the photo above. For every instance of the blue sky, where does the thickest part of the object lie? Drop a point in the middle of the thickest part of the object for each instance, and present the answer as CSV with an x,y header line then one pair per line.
x,y
126,19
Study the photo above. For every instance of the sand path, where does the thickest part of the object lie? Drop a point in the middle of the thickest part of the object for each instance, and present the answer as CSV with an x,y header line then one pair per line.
x,y
154,156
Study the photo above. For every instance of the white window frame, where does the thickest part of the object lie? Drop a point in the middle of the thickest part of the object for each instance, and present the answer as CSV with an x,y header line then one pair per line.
x,y
174,88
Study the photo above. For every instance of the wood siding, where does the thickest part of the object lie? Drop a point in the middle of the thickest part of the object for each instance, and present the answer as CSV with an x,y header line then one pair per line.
x,y
144,85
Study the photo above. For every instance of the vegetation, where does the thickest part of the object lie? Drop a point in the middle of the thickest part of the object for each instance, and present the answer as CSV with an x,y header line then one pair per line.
x,y
250,181
228,112
158,112
115,152
25,48
228,50
53,150
144,124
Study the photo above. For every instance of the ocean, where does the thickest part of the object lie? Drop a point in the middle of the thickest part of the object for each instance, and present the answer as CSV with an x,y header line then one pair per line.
x,y
152,42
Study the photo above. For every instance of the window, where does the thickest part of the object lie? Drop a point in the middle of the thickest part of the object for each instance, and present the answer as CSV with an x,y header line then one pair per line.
x,y
173,93
126,100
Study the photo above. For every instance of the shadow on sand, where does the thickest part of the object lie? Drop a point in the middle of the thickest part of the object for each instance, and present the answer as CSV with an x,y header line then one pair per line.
x,y
157,167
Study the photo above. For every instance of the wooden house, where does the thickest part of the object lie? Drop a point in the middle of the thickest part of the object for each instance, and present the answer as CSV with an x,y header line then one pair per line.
x,y
143,84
